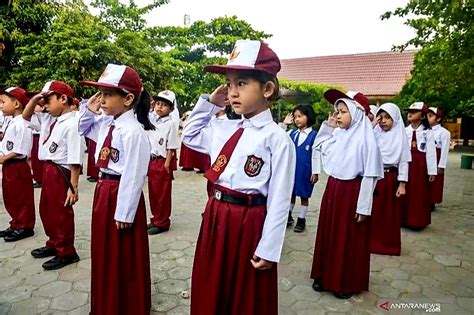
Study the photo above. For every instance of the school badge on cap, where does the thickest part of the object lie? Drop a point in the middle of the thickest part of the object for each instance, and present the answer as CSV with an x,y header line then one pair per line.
x,y
418,106
167,96
118,77
249,55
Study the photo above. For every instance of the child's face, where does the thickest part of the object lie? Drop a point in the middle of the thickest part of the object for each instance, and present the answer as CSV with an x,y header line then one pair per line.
x,y
385,122
113,103
343,117
55,103
301,121
432,119
246,95
414,116
163,109
7,105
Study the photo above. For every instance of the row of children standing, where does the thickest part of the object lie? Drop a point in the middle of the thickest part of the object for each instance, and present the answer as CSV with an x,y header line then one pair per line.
x,y
252,177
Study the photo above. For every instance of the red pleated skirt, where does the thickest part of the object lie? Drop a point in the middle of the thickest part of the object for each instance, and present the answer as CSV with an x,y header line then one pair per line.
x,y
416,206
120,260
223,279
37,166
92,170
438,185
189,158
385,236
341,258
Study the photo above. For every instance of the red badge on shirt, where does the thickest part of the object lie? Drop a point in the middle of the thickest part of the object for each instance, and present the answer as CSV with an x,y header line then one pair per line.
x,y
253,165
114,155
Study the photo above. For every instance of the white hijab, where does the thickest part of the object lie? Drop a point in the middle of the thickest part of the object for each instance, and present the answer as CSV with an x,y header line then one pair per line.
x,y
352,152
393,144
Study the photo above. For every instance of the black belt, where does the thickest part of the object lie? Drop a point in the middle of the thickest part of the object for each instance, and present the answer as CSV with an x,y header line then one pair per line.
x,y
156,157
66,174
15,160
390,169
251,200
110,176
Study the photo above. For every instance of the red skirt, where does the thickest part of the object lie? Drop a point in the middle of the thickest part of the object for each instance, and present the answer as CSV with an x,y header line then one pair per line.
x,y
341,258
385,238
438,185
223,279
37,166
416,206
92,170
18,196
159,191
189,158
120,260
58,220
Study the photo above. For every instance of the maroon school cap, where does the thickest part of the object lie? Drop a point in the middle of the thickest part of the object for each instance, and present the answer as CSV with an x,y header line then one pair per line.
x,y
333,95
118,77
419,106
20,94
437,111
249,55
58,87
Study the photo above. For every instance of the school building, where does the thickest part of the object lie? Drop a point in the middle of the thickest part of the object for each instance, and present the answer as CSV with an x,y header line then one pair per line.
x,y
379,75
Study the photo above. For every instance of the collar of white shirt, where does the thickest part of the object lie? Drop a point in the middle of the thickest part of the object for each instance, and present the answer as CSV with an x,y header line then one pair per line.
x,y
163,119
438,126
122,119
306,131
259,120
63,117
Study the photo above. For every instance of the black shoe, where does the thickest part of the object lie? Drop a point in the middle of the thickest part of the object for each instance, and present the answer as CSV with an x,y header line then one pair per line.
x,y
290,220
156,230
59,262
149,226
433,207
200,171
343,296
36,185
6,232
18,234
185,169
43,252
317,285
92,179
300,225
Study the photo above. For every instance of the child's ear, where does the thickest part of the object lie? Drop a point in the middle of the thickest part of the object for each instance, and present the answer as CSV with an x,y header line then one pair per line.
x,y
129,98
268,89
63,99
17,105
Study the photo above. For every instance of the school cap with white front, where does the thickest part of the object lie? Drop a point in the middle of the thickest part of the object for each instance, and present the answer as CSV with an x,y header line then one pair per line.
x,y
118,77
20,94
332,95
249,55
167,96
418,106
437,111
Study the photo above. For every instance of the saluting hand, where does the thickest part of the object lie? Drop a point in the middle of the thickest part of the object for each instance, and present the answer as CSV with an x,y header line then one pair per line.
x,y
219,96
288,119
94,103
332,121
260,264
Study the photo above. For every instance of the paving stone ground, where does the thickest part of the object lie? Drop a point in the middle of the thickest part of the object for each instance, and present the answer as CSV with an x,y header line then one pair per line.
x,y
436,265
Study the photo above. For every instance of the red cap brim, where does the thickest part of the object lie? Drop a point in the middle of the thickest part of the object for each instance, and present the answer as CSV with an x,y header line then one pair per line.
x,y
333,95
99,84
222,69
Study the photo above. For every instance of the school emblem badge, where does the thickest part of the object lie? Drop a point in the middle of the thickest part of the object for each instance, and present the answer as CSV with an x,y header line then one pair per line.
x,y
9,145
161,141
53,147
219,163
234,54
104,153
114,155
307,147
253,165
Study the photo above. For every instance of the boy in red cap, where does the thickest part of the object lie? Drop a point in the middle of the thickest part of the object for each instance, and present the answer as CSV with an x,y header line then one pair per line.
x,y
442,138
60,147
17,184
253,169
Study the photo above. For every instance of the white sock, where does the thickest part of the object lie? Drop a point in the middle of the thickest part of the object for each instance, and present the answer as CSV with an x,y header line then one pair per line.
x,y
303,211
292,206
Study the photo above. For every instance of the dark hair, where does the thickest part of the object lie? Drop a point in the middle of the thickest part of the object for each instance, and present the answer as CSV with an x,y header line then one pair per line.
x,y
263,78
141,107
425,122
308,111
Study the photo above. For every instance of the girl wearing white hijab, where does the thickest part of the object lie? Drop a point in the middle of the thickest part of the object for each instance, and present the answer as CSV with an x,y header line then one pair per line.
x,y
341,261
393,144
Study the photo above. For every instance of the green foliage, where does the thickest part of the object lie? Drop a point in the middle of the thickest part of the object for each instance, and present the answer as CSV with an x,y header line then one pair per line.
x,y
443,71
296,93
